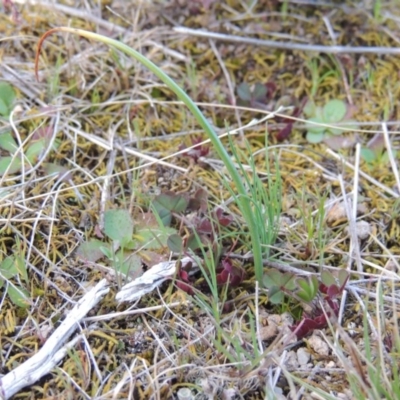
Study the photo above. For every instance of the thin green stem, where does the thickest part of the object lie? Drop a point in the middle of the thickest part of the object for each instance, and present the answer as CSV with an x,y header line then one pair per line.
x,y
243,200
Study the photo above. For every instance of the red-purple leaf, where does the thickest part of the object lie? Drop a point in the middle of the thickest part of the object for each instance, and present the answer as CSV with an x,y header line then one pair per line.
x,y
285,132
198,201
223,219
230,273
333,291
200,150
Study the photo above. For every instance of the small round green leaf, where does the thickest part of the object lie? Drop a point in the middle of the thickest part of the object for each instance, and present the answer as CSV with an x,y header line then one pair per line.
x,y
368,155
8,268
313,125
259,92
90,250
243,91
19,296
313,137
334,111
309,109
118,225
7,141
175,243
9,164
7,97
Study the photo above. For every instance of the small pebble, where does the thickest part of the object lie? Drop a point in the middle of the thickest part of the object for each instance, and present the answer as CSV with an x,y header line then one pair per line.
x,y
303,356
318,345
291,361
331,364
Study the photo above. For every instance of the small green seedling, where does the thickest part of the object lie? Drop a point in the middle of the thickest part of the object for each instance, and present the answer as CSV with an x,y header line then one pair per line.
x,y
307,288
15,267
168,203
127,239
7,99
278,285
118,226
374,152
36,146
333,112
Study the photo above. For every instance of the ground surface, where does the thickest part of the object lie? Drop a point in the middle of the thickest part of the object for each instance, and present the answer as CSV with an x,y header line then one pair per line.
x,y
112,121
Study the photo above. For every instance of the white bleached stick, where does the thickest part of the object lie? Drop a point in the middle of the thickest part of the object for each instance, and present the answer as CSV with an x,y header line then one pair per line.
x,y
152,278
51,353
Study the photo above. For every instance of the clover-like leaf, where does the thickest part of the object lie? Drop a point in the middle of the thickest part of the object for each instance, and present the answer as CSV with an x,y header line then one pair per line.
x,y
327,278
343,277
91,250
260,92
7,142
171,201
282,280
35,149
153,238
20,264
275,295
10,164
128,264
230,273
167,203
7,97
194,242
118,225
175,243
243,91
278,284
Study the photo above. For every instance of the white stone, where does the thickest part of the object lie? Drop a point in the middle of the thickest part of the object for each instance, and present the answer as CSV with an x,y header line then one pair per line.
x,y
303,356
318,345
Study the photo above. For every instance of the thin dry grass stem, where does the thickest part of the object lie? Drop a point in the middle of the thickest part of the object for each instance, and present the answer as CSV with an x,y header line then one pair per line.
x,y
105,145
41,274
115,101
229,84
381,331
392,160
351,211
288,46
75,384
120,314
105,191
354,250
388,254
76,12
370,179
30,243
159,342
327,174
332,35
127,377
21,332
91,357
257,318
367,293
149,42
22,81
